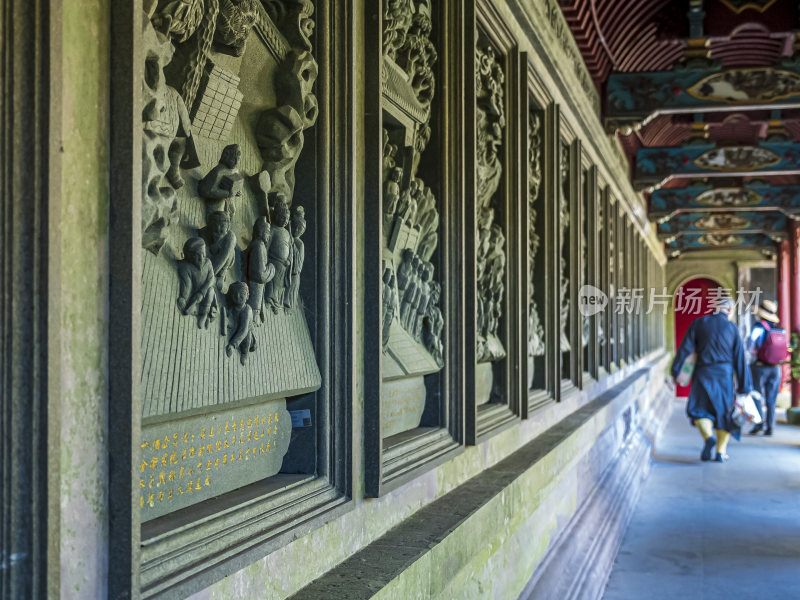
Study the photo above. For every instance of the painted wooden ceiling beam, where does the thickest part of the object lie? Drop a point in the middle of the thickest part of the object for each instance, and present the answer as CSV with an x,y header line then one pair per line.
x,y
655,166
754,196
635,98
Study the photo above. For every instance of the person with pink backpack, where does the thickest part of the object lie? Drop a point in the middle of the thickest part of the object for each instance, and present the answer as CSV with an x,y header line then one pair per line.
x,y
769,346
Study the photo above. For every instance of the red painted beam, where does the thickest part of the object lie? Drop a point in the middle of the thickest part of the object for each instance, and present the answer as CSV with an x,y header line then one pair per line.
x,y
784,314
794,292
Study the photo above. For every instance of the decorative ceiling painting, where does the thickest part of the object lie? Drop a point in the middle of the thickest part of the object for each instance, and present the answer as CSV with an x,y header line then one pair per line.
x,y
656,165
703,99
716,222
666,201
741,5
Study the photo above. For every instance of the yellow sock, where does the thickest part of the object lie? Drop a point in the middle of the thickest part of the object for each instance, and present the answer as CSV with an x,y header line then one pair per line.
x,y
706,427
722,440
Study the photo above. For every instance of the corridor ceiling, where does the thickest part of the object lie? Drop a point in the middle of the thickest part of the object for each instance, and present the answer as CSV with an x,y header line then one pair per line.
x,y
705,99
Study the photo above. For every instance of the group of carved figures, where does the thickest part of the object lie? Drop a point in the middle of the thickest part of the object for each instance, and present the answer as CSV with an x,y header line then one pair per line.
x,y
414,208
406,40
412,296
272,265
491,267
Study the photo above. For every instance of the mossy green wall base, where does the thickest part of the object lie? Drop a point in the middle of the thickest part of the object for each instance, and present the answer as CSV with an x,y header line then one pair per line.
x,y
488,536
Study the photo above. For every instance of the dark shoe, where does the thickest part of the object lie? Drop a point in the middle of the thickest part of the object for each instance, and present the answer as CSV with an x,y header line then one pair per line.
x,y
768,432
756,429
707,448
721,457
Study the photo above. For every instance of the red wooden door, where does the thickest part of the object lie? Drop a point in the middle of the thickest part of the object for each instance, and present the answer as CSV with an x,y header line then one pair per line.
x,y
692,300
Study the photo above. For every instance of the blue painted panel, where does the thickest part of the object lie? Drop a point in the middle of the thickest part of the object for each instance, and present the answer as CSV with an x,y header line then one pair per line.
x,y
739,222
704,241
655,164
665,201
637,95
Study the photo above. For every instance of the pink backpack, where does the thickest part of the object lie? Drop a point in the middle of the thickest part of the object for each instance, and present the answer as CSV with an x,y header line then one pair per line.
x,y
775,347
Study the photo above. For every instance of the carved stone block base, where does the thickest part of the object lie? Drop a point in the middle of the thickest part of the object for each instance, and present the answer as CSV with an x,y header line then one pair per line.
x,y
185,461
403,404
484,380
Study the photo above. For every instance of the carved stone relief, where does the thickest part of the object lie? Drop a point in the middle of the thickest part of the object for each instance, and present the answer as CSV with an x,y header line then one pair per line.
x,y
412,322
228,93
490,239
563,219
536,345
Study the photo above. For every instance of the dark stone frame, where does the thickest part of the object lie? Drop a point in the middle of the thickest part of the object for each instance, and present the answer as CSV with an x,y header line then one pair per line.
x,y
422,449
225,534
490,419
30,181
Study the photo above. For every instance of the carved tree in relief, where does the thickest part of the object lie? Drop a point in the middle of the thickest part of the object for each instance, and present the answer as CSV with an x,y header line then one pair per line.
x,y
412,319
490,240
563,208
536,345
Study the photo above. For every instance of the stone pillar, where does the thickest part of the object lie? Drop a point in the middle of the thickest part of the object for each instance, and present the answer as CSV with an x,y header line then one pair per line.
x,y
783,272
794,296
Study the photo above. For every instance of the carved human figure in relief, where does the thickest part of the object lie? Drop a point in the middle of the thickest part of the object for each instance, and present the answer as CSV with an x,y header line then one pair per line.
x,y
433,325
280,254
224,182
242,338
405,271
411,296
236,19
391,197
196,283
408,202
259,270
298,258
221,243
389,303
426,274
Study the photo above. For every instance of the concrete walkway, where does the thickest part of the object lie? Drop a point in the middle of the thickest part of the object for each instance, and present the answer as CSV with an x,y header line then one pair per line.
x,y
707,531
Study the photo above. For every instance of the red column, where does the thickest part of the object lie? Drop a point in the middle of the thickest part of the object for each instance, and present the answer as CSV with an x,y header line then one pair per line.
x,y
783,269
794,295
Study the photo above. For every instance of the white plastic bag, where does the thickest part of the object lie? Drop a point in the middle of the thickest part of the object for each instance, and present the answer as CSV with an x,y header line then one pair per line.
x,y
687,368
745,413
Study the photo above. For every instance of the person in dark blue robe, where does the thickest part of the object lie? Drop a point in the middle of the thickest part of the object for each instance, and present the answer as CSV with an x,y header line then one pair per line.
x,y
720,355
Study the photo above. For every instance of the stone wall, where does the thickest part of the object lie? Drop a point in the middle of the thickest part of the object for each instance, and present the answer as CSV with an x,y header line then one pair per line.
x,y
509,517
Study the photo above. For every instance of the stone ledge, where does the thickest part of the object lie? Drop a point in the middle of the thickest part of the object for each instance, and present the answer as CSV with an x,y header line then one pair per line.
x,y
424,554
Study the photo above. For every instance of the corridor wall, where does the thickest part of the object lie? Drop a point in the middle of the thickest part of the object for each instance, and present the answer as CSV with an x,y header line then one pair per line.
x,y
352,242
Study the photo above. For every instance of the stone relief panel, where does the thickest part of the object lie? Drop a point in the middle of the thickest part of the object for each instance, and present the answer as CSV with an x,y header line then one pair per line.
x,y
490,240
563,219
536,342
413,322
228,93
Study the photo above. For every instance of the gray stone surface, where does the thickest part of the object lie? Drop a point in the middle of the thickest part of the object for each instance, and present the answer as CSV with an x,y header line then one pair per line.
x,y
185,461
712,531
403,404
